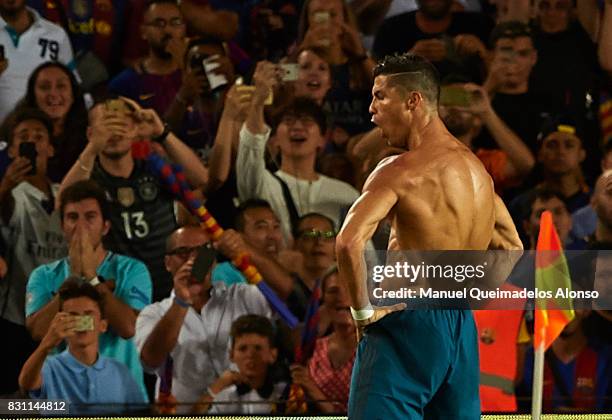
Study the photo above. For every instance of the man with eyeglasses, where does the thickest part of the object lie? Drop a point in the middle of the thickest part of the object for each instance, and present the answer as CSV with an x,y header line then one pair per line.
x,y
160,81
191,327
299,131
123,283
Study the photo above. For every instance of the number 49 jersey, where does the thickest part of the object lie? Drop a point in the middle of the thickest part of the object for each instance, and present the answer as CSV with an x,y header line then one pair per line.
x,y
143,215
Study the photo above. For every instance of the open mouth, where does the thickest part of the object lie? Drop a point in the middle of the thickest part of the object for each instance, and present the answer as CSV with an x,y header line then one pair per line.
x,y
298,139
313,85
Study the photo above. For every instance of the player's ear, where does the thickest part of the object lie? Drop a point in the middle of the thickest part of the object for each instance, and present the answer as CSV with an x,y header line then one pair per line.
x,y
413,100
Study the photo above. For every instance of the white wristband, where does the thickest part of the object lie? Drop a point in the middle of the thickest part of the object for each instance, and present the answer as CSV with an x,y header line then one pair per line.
x,y
362,314
95,281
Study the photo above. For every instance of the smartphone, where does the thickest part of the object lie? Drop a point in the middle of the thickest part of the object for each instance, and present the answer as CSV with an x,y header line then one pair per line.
x,y
28,151
215,80
116,106
203,262
84,323
290,72
455,96
2,52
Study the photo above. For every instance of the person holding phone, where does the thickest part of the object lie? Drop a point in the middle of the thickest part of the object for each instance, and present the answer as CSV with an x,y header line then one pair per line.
x,y
90,382
33,230
124,283
192,326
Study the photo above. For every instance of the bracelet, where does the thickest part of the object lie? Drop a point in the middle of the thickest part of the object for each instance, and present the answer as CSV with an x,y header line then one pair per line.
x,y
180,302
362,314
211,393
163,136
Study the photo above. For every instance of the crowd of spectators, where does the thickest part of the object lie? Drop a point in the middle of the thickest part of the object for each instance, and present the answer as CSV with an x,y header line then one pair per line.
x,y
264,107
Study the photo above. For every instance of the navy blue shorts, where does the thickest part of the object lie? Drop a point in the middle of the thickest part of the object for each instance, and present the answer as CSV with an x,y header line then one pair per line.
x,y
416,364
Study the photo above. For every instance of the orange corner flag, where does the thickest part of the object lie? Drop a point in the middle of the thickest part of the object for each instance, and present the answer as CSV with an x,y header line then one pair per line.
x,y
552,314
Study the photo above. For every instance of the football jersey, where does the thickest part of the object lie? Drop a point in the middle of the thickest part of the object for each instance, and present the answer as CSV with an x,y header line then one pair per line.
x,y
43,41
33,237
143,215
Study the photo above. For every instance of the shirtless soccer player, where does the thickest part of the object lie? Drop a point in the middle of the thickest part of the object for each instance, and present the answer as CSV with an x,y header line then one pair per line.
x,y
418,363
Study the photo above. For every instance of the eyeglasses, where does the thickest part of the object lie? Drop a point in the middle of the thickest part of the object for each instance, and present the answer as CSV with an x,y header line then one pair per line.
x,y
162,23
185,252
311,235
306,120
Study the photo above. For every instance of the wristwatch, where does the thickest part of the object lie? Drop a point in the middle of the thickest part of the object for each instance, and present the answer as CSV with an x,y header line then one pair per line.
x,y
96,280
163,136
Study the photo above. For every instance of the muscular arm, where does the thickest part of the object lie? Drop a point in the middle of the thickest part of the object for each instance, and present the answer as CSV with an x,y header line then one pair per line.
x,y
361,222
505,235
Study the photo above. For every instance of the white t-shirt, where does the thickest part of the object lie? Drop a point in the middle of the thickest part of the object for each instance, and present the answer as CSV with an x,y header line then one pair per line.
x,y
249,403
43,41
201,354
326,195
33,237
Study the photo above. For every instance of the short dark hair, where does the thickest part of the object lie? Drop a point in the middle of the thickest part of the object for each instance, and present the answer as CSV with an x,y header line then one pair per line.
x,y
413,72
300,220
27,114
73,288
82,190
301,106
511,29
542,194
252,203
150,3
253,324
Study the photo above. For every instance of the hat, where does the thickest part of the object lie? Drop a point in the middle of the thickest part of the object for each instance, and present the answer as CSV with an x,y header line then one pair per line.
x,y
562,123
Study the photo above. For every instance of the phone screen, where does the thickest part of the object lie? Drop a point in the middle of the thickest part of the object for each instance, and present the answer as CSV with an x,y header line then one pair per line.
x,y
84,323
28,151
455,96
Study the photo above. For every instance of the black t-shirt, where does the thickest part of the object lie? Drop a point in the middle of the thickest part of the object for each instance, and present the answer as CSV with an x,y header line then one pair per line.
x,y
524,113
567,63
398,34
142,217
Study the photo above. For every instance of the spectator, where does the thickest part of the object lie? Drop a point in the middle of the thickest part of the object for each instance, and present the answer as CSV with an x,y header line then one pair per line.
x,y
258,234
327,377
315,239
585,219
98,33
53,89
32,229
507,83
299,132
123,283
542,200
252,388
330,28
192,325
271,29
577,370
559,39
454,41
314,75
560,155
156,80
81,374
28,41
601,202
142,211
509,163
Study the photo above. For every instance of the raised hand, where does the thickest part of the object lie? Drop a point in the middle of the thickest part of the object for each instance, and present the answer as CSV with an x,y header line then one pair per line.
x,y
61,327
148,124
